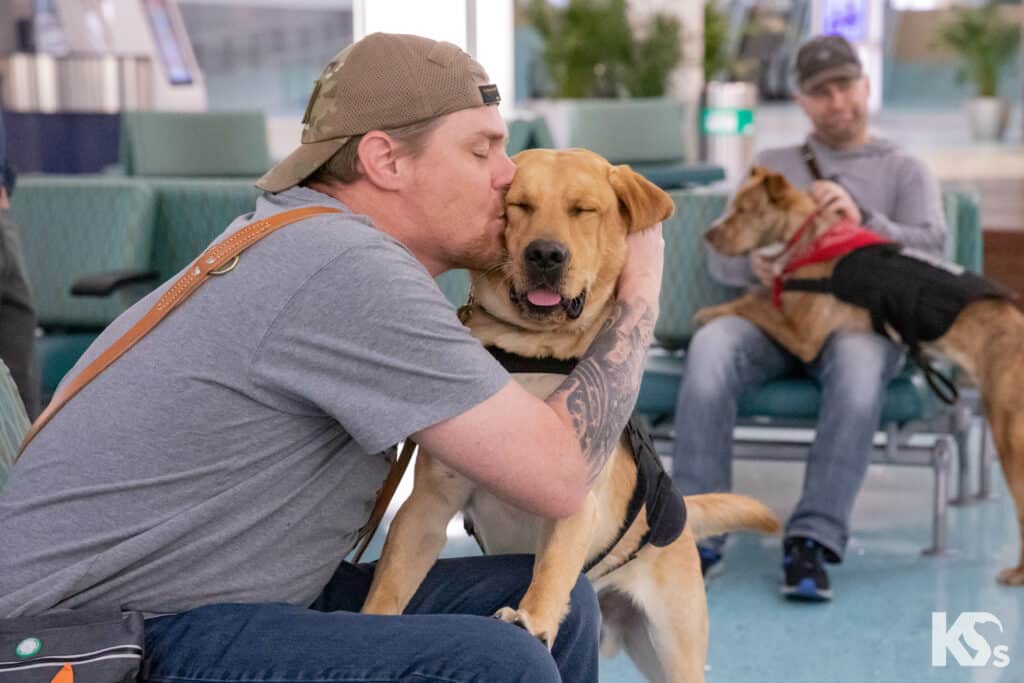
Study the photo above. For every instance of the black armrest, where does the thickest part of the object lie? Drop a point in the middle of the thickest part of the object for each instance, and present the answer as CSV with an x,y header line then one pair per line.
x,y
105,284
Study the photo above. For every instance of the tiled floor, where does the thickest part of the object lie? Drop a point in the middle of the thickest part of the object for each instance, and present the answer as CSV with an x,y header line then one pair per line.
x,y
878,627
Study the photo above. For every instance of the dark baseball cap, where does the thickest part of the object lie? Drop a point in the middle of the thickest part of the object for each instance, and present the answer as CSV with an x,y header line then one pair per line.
x,y
384,81
825,58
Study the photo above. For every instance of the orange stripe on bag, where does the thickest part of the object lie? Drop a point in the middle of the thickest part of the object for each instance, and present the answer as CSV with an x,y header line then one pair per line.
x,y
65,675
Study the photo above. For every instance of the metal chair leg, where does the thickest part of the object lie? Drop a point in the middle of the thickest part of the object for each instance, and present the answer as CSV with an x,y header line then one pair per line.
x,y
941,458
960,423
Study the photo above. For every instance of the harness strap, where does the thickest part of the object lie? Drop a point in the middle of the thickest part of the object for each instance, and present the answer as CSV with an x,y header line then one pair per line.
x,y
515,363
636,502
654,491
944,388
653,487
807,154
822,285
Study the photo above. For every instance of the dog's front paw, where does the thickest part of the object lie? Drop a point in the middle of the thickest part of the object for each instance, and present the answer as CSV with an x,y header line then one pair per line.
x,y
524,621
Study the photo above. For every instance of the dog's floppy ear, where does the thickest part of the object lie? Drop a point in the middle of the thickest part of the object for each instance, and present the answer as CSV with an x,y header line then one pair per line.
x,y
641,202
778,187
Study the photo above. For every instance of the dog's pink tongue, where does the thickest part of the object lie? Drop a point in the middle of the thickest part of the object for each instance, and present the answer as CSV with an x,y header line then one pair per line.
x,y
544,297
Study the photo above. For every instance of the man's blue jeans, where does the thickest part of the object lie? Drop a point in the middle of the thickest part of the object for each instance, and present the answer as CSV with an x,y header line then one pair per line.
x,y
729,355
446,634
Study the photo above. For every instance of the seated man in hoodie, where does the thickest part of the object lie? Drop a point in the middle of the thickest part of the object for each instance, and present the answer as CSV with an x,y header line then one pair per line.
x,y
876,184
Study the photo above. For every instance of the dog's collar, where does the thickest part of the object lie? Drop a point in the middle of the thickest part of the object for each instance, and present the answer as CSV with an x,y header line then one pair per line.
x,y
513,362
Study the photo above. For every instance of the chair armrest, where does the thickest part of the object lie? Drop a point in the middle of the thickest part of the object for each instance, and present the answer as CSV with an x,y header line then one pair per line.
x,y
105,284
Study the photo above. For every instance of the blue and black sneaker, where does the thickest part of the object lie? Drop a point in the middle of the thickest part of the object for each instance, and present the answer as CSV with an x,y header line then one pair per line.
x,y
709,557
804,567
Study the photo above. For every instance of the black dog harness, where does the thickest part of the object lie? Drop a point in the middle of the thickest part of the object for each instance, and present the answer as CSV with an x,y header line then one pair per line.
x,y
915,294
653,492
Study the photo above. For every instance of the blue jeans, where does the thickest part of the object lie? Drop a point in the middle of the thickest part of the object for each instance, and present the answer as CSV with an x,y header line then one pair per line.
x,y
446,634
730,355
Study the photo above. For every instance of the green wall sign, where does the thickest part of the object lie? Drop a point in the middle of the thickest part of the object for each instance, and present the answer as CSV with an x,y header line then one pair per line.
x,y
727,121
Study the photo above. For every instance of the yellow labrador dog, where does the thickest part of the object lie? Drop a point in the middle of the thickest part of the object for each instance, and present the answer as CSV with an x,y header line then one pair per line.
x,y
982,331
576,203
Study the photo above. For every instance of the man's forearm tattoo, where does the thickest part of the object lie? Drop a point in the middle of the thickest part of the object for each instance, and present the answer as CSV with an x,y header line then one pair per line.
x,y
601,392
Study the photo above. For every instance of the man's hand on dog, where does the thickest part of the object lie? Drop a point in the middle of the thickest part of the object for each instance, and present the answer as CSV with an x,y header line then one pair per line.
x,y
829,194
645,260
763,268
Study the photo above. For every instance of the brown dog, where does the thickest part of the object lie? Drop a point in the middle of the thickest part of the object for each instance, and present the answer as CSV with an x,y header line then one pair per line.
x,y
654,605
986,338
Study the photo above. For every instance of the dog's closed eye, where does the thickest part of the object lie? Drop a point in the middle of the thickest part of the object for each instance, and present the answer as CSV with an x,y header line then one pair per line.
x,y
522,206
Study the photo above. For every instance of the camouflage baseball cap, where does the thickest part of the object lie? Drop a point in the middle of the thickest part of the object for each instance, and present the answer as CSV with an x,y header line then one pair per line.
x,y
825,58
384,81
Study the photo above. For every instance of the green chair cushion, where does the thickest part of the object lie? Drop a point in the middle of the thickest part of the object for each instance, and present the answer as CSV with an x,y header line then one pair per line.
x,y
907,398
75,226
687,286
455,285
58,352
13,423
191,213
223,144
643,129
969,240
674,175
528,134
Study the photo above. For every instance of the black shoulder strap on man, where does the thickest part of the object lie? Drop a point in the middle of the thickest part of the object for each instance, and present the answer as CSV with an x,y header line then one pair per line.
x,y
812,161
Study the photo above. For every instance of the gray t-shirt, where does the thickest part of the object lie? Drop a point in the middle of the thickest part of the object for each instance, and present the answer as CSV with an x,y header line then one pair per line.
x,y
895,191
233,454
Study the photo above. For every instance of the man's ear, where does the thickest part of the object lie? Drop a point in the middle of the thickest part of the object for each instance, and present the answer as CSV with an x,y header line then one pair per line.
x,y
641,202
378,159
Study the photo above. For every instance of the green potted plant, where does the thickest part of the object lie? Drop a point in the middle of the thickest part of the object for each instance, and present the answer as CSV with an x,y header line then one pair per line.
x,y
591,50
716,35
609,79
985,43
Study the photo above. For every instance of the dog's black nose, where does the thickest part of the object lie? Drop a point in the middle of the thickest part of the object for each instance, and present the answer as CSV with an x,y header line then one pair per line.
x,y
546,255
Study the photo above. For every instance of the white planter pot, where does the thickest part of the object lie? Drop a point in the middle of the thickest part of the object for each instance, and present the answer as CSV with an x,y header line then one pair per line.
x,y
988,116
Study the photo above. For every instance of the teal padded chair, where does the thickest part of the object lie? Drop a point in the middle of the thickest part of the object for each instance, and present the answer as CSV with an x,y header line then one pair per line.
x,y
195,144
95,232
646,133
13,423
191,213
909,406
528,134
687,285
455,285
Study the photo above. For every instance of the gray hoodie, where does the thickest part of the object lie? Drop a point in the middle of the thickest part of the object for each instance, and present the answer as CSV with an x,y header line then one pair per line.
x,y
896,193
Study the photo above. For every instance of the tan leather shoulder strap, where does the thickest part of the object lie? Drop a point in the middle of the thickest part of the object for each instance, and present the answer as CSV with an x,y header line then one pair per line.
x,y
219,259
